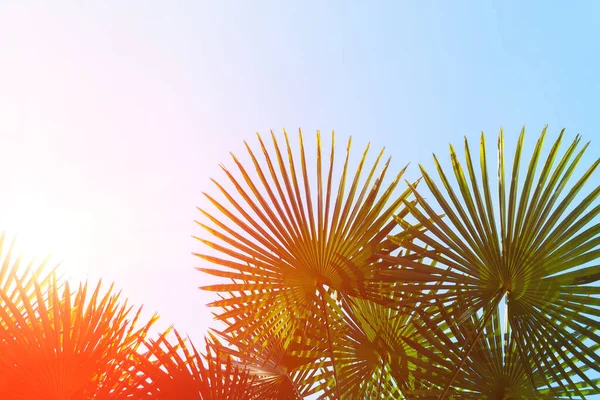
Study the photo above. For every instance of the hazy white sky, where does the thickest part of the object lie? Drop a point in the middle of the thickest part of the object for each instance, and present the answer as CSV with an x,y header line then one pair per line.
x,y
114,115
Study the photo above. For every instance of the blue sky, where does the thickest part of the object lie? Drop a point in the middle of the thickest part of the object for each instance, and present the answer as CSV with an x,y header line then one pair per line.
x,y
114,116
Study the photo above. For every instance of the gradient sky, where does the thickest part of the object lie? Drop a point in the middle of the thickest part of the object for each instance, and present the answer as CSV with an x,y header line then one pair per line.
x,y
114,116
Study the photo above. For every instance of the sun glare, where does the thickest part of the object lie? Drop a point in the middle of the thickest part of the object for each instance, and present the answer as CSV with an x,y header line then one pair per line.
x,y
42,232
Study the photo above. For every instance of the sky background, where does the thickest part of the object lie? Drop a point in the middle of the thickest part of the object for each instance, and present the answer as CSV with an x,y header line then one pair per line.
x,y
115,115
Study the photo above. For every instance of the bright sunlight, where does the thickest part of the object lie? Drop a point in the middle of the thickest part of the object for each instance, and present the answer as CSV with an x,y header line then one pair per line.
x,y
42,231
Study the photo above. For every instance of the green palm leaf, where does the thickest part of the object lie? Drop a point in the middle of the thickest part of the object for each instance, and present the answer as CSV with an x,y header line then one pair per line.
x,y
373,361
282,245
536,244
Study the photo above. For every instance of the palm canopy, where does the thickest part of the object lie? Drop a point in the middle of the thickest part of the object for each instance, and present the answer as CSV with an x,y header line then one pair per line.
x,y
535,244
282,245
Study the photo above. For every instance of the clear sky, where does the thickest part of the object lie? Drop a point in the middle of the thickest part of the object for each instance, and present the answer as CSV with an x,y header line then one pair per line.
x,y
114,115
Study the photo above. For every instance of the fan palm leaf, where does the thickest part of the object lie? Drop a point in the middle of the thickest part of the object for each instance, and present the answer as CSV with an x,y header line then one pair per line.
x,y
62,345
372,359
383,352
282,246
536,244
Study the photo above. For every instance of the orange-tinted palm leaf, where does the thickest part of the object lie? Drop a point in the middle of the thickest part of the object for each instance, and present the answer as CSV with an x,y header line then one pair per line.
x,y
62,345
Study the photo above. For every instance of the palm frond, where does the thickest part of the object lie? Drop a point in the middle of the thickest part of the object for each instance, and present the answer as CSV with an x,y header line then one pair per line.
x,y
536,244
62,345
281,244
